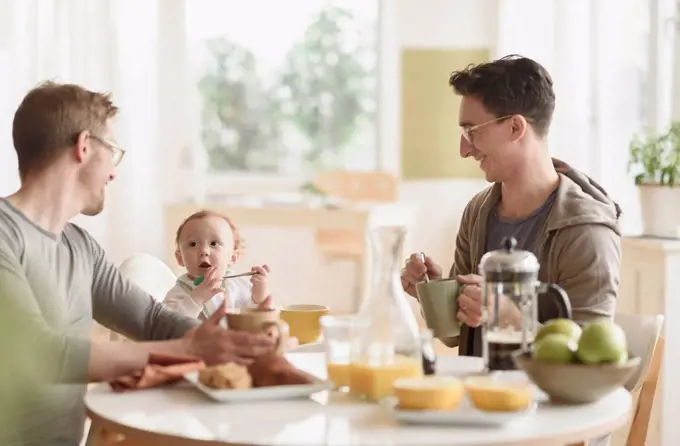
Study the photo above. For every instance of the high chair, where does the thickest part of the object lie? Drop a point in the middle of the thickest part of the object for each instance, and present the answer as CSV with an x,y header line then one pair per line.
x,y
149,273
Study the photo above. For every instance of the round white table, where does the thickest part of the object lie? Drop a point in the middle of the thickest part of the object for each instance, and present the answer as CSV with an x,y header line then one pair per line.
x,y
181,415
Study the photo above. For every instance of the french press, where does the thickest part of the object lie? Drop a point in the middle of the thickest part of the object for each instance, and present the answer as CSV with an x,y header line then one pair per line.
x,y
511,294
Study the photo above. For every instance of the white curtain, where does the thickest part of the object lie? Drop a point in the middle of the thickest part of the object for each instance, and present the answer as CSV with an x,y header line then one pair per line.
x,y
106,45
593,50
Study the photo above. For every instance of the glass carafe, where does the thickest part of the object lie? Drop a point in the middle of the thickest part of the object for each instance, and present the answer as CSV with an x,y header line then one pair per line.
x,y
386,341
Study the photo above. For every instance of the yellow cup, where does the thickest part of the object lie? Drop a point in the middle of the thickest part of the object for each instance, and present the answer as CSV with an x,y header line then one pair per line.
x,y
303,321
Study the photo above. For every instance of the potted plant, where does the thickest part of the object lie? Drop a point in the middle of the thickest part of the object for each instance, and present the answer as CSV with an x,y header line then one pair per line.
x,y
655,163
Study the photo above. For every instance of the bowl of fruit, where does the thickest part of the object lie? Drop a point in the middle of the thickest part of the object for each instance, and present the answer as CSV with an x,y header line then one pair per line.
x,y
578,365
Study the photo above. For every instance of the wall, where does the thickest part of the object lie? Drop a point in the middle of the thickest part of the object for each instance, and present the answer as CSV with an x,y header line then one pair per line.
x,y
441,201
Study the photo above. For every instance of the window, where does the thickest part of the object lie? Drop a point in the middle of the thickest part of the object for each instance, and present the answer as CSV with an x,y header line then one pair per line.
x,y
285,88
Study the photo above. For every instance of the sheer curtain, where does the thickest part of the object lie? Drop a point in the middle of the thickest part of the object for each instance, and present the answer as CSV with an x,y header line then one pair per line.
x,y
106,45
609,62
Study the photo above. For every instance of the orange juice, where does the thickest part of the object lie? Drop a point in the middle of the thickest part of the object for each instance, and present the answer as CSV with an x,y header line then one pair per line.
x,y
374,382
338,373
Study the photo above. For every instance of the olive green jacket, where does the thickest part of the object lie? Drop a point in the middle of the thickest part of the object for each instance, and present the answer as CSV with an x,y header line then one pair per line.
x,y
578,249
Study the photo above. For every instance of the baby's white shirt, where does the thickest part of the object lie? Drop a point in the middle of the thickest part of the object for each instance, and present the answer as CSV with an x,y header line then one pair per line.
x,y
239,291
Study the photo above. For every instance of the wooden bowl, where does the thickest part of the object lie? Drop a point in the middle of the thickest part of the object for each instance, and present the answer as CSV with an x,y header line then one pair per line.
x,y
576,383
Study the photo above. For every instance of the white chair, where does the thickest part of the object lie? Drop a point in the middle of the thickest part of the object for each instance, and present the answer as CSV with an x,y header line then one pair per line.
x,y
149,273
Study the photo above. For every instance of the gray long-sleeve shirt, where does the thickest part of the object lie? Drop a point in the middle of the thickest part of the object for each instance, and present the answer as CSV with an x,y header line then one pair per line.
x,y
51,288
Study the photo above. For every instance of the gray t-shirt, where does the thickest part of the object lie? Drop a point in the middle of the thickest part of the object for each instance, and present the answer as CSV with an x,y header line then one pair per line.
x,y
51,288
526,231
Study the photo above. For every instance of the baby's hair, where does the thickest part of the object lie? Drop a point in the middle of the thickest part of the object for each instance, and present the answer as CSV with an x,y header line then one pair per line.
x,y
205,213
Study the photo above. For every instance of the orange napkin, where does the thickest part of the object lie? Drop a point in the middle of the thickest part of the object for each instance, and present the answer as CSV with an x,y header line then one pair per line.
x,y
160,370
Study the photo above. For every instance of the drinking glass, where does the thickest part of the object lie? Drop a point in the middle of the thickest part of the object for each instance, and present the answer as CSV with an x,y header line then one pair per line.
x,y
337,338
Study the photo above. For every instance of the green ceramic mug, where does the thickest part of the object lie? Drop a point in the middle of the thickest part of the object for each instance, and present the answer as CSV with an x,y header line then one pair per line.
x,y
439,301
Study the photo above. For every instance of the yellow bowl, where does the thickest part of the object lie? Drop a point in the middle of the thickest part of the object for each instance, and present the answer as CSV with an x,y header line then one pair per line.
x,y
428,393
303,321
487,393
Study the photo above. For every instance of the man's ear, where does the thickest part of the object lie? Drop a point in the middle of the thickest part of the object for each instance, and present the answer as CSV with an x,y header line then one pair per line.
x,y
234,257
518,126
81,149
178,257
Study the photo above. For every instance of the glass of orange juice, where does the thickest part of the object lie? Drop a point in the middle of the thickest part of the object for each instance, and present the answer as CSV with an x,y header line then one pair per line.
x,y
337,338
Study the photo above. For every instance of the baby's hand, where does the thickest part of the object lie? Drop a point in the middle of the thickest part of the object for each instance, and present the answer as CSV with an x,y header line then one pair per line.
x,y
260,284
211,285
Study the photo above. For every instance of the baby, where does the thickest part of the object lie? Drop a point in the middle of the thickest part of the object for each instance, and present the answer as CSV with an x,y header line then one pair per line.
x,y
208,244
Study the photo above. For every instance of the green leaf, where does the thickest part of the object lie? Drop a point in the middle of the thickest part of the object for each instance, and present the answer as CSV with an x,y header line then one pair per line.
x,y
656,158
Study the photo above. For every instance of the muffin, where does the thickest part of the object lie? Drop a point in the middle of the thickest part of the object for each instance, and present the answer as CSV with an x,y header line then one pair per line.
x,y
494,395
428,393
226,376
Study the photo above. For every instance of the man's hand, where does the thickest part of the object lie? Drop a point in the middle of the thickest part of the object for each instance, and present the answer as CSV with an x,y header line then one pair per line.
x,y
260,283
470,300
414,272
216,345
211,285
470,304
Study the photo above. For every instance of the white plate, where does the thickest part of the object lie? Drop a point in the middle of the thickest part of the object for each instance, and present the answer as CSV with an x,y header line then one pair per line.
x,y
465,415
260,393
312,347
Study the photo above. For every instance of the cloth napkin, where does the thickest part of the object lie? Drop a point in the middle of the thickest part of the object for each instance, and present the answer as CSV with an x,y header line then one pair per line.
x,y
160,370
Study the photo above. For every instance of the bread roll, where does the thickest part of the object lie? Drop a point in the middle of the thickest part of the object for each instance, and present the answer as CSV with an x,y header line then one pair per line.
x,y
226,376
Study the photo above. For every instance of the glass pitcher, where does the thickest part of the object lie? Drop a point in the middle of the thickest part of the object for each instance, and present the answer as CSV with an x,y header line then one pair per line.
x,y
511,293
386,341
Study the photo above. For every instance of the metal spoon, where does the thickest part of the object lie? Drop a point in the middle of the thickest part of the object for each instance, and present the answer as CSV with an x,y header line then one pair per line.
x,y
422,259
198,280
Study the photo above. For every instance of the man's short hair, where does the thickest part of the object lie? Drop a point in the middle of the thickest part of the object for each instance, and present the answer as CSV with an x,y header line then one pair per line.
x,y
50,118
508,86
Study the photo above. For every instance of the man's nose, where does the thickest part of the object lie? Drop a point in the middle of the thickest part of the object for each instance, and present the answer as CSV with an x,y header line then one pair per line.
x,y
466,148
112,175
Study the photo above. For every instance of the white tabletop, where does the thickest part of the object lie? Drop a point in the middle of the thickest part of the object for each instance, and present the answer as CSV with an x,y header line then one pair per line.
x,y
331,418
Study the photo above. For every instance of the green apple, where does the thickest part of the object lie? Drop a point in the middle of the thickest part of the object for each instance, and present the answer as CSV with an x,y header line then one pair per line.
x,y
602,341
555,348
562,326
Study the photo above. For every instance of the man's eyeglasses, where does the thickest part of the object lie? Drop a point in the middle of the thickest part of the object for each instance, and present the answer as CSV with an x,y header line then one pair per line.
x,y
468,132
118,153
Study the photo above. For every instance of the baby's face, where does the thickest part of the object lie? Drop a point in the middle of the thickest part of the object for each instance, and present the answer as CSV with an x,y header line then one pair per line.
x,y
205,243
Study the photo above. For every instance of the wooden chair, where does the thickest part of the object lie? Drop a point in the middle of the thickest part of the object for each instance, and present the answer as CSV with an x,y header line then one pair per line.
x,y
352,187
644,340
643,412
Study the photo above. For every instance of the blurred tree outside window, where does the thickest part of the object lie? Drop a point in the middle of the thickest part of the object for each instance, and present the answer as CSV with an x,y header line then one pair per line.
x,y
286,88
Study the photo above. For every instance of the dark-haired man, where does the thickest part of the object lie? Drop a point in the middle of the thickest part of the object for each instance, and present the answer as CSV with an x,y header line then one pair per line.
x,y
561,215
